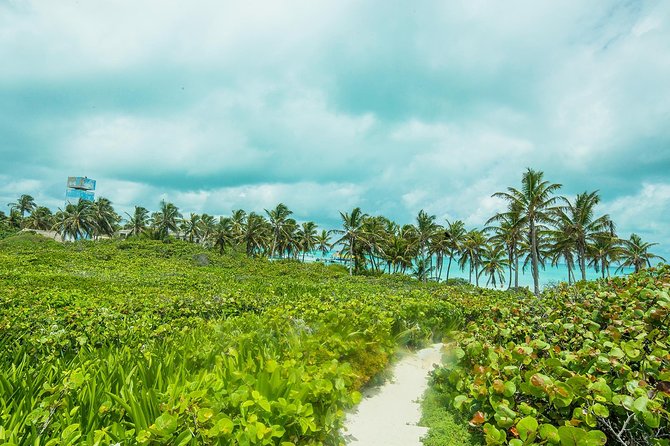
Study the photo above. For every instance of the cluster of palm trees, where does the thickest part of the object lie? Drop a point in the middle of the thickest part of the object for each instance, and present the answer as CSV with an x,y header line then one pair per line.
x,y
278,235
84,219
537,228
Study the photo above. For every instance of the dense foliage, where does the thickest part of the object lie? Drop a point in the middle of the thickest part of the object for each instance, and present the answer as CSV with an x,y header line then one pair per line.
x,y
582,365
537,228
145,342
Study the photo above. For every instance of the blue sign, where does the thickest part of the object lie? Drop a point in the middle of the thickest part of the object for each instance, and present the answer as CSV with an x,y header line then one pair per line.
x,y
73,195
83,183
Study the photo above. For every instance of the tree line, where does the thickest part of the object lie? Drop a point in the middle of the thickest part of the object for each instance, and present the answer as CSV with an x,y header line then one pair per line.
x,y
537,228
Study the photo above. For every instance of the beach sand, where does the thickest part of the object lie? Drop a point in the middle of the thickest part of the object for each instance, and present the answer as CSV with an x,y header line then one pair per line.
x,y
388,415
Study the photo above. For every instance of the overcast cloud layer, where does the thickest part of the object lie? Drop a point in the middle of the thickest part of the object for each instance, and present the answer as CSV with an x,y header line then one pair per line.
x,y
393,106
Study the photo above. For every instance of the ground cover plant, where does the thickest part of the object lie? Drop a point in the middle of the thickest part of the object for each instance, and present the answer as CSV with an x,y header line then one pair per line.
x,y
582,365
146,342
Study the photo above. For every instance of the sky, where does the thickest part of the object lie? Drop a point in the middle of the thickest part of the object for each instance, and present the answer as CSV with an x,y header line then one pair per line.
x,y
392,106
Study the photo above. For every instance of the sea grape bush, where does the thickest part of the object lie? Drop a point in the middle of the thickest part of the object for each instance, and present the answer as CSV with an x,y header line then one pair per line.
x,y
141,342
582,365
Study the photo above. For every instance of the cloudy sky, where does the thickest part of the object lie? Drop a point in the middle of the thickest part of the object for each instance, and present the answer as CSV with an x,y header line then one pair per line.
x,y
392,106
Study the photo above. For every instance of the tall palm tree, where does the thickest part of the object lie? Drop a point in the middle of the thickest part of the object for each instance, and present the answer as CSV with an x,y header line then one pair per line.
x,y
536,203
397,253
75,221
166,220
425,229
104,217
238,221
25,203
277,217
455,233
578,219
40,218
307,238
473,248
636,253
223,234
373,237
323,242
352,235
137,223
422,269
255,234
493,264
207,227
561,248
190,227
605,249
509,232
14,220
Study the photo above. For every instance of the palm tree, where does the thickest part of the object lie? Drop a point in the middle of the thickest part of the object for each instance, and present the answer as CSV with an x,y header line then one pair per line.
x,y
493,264
397,253
604,250
255,234
425,229
75,221
207,227
636,253
41,218
578,220
190,227
352,235
104,217
166,220
238,221
15,220
473,248
422,269
455,238
535,203
137,223
374,232
25,203
223,234
509,232
306,237
323,242
277,217
561,248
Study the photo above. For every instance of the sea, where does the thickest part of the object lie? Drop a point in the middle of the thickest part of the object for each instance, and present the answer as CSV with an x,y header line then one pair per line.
x,y
549,276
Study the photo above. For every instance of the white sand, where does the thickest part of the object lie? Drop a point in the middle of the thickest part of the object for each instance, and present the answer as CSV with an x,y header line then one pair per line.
x,y
388,416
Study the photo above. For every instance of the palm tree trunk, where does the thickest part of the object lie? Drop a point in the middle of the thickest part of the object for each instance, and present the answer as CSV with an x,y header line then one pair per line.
x,y
582,261
449,266
534,260
516,269
569,272
511,266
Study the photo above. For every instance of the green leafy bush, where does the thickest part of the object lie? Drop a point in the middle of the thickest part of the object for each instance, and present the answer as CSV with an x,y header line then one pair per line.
x,y
134,342
582,365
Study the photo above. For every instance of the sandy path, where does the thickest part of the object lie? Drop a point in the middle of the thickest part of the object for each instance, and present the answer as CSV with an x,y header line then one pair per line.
x,y
388,416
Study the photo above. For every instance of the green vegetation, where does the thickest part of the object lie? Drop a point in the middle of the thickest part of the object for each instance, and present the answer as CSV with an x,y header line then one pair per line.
x,y
537,228
446,428
184,332
146,342
582,365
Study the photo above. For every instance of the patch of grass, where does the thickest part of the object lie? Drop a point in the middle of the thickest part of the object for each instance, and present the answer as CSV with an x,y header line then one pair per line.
x,y
446,429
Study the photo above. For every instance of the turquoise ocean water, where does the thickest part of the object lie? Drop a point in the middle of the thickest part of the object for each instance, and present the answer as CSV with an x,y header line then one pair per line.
x,y
551,275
